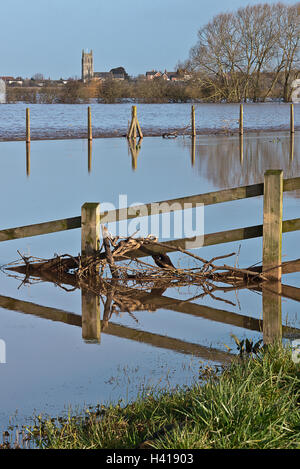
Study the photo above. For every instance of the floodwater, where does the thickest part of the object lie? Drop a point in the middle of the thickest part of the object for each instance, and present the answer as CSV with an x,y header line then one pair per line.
x,y
49,365
70,120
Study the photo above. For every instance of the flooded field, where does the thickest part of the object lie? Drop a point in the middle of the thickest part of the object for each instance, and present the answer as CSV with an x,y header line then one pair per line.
x,y
49,365
70,120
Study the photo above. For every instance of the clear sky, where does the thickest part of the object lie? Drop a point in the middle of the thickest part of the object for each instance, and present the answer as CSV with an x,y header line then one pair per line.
x,y
47,36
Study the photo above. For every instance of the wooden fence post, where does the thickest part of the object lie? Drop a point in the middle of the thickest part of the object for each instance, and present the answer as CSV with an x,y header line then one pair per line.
x,y
292,120
89,124
90,230
27,125
272,224
241,119
193,122
135,125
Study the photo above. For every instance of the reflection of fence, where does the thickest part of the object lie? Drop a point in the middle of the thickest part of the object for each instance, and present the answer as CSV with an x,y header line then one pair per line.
x,y
91,218
272,189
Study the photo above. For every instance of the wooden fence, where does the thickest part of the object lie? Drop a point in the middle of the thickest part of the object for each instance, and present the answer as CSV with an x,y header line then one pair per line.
x,y
272,190
135,127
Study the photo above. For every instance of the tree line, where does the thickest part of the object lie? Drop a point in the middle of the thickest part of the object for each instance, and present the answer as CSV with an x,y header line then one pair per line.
x,y
250,54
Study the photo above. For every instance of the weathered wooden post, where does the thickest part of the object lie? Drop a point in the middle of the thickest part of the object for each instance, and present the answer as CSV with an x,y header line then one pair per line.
x,y
292,119
241,119
28,158
90,230
90,137
193,122
90,312
27,125
272,224
134,125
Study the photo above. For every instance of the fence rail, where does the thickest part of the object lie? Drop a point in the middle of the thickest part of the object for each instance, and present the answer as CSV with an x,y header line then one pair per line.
x,y
210,198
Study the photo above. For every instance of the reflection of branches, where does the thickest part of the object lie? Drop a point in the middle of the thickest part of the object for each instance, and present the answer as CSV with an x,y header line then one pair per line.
x,y
130,284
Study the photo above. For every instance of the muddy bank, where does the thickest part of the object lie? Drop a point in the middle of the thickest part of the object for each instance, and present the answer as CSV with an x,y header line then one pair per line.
x,y
121,133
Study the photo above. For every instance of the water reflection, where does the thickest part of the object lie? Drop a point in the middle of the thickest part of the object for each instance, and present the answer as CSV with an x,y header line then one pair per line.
x,y
28,158
90,143
134,146
90,309
272,319
124,299
237,161
292,145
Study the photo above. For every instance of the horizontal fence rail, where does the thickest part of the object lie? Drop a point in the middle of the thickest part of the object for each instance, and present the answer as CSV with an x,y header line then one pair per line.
x,y
211,198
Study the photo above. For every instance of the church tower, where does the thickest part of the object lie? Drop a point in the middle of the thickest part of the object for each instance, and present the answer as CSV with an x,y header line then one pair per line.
x,y
87,66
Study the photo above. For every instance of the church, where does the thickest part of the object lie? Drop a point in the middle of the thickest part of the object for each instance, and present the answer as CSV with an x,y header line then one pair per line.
x,y
87,70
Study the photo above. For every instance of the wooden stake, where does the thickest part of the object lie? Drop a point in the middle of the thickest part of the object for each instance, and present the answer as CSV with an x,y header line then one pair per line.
x,y
272,224
90,137
193,122
292,120
90,230
241,119
27,125
135,125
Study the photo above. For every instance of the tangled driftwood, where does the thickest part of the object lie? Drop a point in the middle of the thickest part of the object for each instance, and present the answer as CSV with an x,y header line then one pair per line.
x,y
116,258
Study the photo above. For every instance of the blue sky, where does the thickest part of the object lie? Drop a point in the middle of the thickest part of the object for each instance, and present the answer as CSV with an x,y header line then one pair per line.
x,y
47,36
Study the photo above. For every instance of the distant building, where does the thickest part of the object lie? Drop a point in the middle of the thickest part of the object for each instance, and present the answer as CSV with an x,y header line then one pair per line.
x,y
153,74
87,66
180,75
87,70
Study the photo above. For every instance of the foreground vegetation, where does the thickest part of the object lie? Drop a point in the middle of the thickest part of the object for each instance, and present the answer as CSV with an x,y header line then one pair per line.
x,y
254,403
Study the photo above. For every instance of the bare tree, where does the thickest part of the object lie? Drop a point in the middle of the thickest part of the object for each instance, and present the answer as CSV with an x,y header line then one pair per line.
x,y
235,50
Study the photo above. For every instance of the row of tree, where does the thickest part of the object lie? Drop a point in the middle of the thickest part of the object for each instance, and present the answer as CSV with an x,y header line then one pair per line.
x,y
250,54
236,51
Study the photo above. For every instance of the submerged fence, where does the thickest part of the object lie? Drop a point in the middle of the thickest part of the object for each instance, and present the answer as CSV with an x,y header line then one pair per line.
x,y
135,128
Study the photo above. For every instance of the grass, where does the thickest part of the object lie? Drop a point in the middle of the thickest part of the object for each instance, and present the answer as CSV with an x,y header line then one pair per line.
x,y
254,403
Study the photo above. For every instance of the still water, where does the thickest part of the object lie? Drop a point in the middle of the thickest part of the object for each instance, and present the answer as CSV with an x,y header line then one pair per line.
x,y
70,120
48,364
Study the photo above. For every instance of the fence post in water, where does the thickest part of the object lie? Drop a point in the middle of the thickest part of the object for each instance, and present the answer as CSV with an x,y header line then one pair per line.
x,y
241,119
292,123
90,230
193,122
27,125
135,125
272,224
89,124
